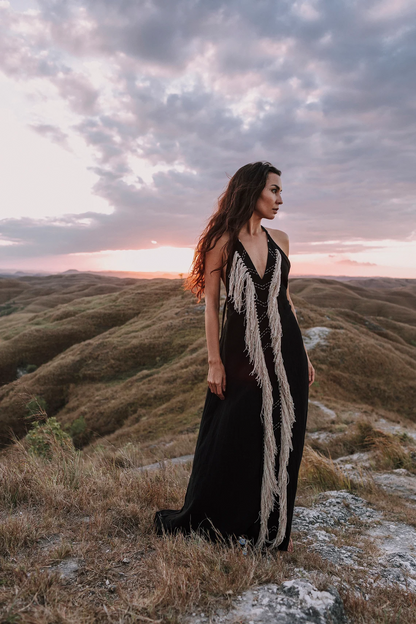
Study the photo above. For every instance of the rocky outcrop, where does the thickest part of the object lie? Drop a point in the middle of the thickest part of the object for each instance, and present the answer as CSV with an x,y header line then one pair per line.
x,y
395,561
298,600
293,602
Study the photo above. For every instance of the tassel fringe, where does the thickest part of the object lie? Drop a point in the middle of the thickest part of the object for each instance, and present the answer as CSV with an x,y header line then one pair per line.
x,y
242,293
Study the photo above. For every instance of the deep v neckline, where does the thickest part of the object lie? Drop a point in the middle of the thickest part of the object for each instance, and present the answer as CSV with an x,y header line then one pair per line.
x,y
268,256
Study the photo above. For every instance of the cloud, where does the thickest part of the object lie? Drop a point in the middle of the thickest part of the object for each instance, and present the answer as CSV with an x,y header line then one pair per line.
x,y
169,98
53,133
349,262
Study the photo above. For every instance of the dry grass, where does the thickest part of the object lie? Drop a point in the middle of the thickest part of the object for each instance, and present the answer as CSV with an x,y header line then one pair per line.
x,y
319,473
136,363
122,360
389,451
16,532
134,456
97,511
390,454
136,370
103,519
379,299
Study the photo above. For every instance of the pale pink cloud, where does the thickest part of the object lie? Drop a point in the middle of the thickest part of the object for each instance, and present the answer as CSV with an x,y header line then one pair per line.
x,y
162,110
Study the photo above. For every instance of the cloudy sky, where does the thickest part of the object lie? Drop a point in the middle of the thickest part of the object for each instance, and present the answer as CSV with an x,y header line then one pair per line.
x,y
121,120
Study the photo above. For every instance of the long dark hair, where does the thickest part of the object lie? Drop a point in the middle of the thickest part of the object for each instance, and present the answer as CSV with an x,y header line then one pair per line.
x,y
235,207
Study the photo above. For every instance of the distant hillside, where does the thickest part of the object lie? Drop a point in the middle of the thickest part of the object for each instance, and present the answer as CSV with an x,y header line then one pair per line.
x,y
356,294
124,359
125,274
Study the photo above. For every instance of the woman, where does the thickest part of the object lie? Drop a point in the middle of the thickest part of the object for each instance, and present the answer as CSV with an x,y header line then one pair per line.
x,y
250,443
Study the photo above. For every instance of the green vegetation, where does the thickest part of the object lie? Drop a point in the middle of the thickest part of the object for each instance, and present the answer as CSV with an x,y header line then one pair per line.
x,y
36,407
8,308
78,430
45,437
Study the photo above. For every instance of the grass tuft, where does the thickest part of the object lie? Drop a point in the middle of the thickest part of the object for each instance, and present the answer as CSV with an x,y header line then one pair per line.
x,y
94,514
16,532
320,473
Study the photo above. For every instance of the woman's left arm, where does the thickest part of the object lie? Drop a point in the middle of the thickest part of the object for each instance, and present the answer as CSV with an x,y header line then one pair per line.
x,y
311,369
284,244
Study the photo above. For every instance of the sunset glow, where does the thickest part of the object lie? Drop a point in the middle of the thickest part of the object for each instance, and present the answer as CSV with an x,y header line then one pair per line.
x,y
116,144
165,259
398,260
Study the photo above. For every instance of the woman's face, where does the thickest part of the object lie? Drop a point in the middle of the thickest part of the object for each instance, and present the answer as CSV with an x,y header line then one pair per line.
x,y
270,199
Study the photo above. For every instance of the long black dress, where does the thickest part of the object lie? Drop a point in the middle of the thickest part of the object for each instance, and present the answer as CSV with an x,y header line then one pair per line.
x,y
250,445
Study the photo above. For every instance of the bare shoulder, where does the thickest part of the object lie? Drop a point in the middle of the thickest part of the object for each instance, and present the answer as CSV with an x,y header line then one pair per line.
x,y
215,256
216,250
214,260
281,238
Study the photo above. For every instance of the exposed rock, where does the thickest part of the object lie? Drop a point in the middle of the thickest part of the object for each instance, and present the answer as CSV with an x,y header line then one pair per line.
x,y
333,509
314,336
175,460
356,465
394,537
293,602
326,410
389,427
399,481
345,555
321,436
399,568
396,541
68,568
362,459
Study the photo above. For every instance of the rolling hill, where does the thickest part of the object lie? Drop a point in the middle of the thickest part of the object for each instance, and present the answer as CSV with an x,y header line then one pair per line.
x,y
120,360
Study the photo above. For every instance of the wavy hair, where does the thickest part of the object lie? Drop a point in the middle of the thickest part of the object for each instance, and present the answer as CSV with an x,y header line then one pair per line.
x,y
235,207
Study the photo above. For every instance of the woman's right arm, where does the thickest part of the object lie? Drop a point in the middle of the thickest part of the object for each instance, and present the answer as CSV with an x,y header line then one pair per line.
x,y
216,371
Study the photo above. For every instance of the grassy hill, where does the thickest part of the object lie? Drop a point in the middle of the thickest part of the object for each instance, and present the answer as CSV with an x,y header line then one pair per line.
x,y
77,543
119,360
122,365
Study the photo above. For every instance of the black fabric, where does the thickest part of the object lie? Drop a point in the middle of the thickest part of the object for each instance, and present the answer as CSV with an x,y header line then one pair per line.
x,y
223,494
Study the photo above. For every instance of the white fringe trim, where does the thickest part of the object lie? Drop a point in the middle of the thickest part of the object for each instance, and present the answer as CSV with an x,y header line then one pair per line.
x,y
242,293
287,408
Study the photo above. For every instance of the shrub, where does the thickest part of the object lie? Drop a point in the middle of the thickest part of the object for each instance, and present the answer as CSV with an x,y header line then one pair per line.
x,y
79,431
44,437
8,308
36,407
78,427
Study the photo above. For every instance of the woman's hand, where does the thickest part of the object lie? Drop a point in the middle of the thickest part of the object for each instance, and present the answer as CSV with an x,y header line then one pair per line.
x,y
311,371
216,379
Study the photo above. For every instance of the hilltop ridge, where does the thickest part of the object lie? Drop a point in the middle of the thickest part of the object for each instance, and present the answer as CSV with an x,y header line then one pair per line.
x,y
126,358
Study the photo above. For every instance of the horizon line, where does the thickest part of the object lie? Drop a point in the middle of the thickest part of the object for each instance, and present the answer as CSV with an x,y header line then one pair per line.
x,y
178,274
